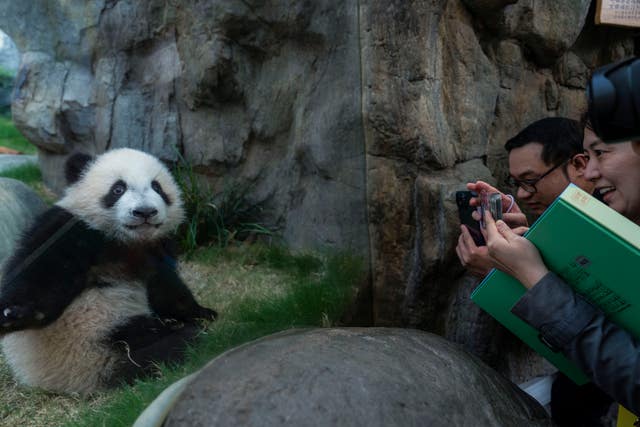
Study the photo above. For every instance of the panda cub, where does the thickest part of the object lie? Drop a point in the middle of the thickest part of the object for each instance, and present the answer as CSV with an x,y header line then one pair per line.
x,y
91,297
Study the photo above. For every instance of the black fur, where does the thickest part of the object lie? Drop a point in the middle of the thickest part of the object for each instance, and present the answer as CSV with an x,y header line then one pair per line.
x,y
144,340
169,297
158,189
47,270
115,192
75,165
52,263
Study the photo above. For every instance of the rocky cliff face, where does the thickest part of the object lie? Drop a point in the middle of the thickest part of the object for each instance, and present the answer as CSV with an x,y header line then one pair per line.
x,y
355,121
9,55
9,61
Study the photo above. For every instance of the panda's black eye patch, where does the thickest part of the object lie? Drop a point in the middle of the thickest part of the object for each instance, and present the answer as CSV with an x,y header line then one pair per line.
x,y
115,192
155,185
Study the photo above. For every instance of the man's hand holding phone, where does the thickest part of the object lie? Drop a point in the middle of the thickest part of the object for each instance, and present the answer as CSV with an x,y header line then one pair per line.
x,y
471,248
511,213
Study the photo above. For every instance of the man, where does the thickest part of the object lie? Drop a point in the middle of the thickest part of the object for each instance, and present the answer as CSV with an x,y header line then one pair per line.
x,y
544,158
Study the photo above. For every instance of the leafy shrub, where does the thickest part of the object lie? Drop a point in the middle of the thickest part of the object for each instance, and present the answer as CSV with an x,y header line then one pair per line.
x,y
216,218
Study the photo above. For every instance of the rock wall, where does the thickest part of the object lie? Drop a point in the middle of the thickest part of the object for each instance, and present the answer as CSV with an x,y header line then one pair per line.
x,y
355,121
445,84
9,61
9,55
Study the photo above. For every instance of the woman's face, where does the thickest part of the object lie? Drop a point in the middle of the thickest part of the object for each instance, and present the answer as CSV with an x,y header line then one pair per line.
x,y
615,171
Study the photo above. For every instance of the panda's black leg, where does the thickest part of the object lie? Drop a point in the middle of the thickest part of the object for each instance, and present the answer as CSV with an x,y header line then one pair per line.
x,y
170,297
145,341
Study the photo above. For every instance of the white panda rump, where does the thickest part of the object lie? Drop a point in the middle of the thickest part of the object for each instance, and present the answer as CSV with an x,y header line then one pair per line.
x,y
73,354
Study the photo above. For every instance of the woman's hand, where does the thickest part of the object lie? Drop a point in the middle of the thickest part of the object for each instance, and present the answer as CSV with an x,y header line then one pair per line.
x,y
512,253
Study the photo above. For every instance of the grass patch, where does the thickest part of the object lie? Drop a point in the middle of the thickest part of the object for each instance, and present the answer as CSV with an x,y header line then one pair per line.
x,y
31,175
10,137
257,290
6,74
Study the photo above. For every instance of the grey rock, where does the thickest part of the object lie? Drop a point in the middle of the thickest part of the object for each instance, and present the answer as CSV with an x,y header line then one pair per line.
x,y
20,205
9,161
485,8
9,60
352,377
9,54
548,28
551,95
572,72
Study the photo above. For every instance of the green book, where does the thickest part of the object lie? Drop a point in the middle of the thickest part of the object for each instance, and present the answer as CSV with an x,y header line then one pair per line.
x,y
594,249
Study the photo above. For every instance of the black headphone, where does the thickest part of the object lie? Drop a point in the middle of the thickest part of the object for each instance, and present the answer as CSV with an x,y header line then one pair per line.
x,y
613,94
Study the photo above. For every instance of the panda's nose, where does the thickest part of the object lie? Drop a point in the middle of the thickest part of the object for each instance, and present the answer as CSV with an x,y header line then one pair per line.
x,y
145,212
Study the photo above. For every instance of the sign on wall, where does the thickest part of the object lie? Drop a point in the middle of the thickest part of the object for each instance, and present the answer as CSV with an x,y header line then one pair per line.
x,y
625,13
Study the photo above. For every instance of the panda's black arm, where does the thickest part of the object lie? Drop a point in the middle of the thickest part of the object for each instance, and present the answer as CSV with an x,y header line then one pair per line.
x,y
47,270
169,296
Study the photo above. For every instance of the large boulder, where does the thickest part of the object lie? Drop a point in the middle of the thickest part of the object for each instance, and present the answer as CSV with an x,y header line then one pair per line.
x,y
20,205
352,377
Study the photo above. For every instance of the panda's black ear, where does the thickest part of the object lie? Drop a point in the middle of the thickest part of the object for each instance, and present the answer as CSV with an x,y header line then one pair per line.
x,y
76,164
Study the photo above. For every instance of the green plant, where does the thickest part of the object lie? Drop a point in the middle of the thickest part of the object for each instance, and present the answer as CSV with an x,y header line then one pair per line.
x,y
218,218
10,137
6,74
31,175
6,85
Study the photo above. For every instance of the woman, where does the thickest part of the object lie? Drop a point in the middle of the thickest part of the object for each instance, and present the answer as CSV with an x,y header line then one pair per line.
x,y
607,353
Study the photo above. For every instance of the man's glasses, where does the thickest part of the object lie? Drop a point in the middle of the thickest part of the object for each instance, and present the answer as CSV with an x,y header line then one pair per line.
x,y
529,185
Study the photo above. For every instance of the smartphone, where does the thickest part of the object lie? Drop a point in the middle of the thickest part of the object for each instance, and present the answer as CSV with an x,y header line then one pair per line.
x,y
491,202
465,211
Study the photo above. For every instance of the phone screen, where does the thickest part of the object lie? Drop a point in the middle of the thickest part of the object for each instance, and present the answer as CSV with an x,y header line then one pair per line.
x,y
465,211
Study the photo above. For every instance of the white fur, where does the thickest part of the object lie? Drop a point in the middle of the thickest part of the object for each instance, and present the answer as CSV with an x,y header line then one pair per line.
x,y
137,169
69,355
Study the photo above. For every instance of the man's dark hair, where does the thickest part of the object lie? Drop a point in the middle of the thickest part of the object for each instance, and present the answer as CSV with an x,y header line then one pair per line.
x,y
561,139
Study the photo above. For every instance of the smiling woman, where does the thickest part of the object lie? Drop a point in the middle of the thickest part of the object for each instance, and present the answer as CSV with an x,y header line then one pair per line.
x,y
615,171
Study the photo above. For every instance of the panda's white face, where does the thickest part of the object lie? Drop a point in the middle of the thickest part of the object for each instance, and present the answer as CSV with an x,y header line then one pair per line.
x,y
127,194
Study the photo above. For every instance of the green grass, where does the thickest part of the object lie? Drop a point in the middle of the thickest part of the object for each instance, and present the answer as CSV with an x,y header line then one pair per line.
x,y
10,137
6,74
29,173
257,290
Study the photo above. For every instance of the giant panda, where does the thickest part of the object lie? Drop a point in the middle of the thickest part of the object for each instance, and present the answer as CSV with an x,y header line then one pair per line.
x,y
91,297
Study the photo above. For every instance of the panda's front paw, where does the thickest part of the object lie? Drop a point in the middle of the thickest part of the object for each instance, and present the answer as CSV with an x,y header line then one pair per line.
x,y
15,317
